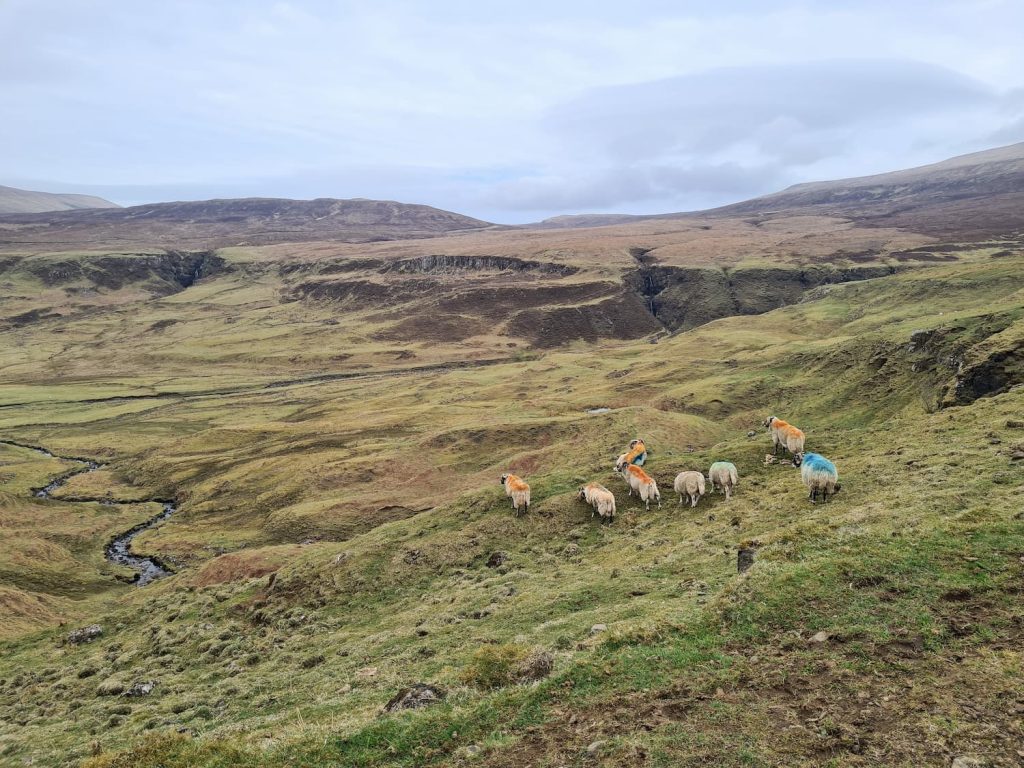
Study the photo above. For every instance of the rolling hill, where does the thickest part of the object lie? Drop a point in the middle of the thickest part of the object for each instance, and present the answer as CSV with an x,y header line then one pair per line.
x,y
14,200
328,422
217,223
970,195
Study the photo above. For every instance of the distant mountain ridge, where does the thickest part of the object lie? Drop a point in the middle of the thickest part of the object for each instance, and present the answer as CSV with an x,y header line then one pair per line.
x,y
975,194
251,220
14,200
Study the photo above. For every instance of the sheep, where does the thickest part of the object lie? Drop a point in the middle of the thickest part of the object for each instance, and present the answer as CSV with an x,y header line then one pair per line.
x,y
690,483
637,453
722,475
785,435
600,498
638,480
818,474
518,491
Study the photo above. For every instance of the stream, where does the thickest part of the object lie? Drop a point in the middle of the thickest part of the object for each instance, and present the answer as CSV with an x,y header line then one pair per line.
x,y
118,550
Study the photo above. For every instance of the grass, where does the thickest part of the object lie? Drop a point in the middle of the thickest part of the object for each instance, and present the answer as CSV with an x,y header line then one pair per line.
x,y
376,504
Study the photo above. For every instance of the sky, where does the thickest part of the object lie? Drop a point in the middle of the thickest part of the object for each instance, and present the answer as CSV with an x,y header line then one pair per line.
x,y
510,113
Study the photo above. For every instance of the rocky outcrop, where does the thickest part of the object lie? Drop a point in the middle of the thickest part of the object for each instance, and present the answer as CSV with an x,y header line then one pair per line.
x,y
685,297
443,264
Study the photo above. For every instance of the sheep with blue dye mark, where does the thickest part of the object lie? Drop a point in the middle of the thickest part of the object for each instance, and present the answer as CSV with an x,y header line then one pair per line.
x,y
819,475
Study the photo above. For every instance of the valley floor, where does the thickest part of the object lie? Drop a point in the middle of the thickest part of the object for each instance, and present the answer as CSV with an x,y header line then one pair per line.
x,y
882,628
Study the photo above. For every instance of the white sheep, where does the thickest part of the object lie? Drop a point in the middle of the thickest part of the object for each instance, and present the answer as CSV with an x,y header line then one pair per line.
x,y
691,484
723,476
600,498
518,491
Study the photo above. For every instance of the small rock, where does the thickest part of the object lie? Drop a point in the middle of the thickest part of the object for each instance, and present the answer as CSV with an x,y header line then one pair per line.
x,y
367,672
340,558
751,434
473,749
573,550
345,688
594,747
819,637
85,634
415,696
598,628
496,560
1014,424
140,688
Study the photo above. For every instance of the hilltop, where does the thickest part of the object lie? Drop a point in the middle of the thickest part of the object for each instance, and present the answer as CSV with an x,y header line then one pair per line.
x,y
217,223
14,200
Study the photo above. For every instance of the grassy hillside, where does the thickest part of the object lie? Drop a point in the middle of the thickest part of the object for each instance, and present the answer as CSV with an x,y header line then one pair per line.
x,y
883,628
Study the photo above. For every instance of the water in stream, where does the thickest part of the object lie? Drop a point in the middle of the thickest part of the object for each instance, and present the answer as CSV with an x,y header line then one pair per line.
x,y
119,549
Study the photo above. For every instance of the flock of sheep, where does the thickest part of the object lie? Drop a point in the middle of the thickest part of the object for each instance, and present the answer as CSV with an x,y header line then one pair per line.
x,y
818,474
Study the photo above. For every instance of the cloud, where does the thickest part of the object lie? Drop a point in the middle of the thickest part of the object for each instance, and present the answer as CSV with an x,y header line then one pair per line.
x,y
503,112
723,134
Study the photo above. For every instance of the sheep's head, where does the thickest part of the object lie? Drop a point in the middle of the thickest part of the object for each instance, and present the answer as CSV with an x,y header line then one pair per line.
x,y
634,443
767,423
582,495
798,459
620,465
839,487
504,478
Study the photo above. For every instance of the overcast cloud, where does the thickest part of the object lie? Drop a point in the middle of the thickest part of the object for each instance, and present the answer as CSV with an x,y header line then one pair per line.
x,y
510,114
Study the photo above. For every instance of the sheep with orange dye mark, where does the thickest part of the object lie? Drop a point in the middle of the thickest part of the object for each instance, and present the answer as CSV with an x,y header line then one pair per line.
x,y
637,453
785,435
638,480
600,498
518,491
690,484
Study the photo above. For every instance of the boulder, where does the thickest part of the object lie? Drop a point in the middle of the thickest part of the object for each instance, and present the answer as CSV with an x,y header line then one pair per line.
x,y
415,696
85,634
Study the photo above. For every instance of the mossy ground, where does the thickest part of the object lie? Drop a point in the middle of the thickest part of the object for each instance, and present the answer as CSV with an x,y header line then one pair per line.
x,y
377,503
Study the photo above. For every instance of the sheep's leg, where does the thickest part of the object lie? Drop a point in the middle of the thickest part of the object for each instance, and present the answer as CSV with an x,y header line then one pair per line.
x,y
814,492
693,501
680,499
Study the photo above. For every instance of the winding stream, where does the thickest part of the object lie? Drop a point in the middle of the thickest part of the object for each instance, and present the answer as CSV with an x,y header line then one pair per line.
x,y
118,550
